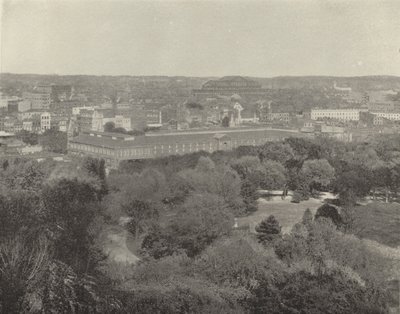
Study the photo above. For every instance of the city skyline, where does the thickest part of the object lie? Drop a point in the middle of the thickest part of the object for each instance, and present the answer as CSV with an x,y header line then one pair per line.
x,y
203,39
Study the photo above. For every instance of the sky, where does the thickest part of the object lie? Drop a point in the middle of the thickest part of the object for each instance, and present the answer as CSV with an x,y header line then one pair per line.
x,y
201,38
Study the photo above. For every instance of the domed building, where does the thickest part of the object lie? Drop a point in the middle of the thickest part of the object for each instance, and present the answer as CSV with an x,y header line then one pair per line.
x,y
230,85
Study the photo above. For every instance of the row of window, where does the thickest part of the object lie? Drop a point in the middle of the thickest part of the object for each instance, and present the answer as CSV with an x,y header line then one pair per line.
x,y
159,150
92,149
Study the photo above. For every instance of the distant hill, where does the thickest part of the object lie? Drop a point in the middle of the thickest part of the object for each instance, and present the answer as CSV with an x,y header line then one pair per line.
x,y
359,83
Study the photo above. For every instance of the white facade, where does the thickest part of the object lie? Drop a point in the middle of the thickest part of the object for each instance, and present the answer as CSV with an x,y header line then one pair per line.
x,y
77,110
38,100
339,114
119,122
30,149
30,114
122,122
394,116
45,121
27,126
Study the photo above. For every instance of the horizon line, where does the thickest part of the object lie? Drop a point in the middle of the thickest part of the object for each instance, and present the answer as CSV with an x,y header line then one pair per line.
x,y
211,76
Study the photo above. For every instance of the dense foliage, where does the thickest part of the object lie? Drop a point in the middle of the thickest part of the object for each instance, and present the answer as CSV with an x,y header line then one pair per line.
x,y
180,212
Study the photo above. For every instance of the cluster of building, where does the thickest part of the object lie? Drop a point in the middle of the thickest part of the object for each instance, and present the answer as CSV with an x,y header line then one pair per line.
x,y
233,110
57,107
356,114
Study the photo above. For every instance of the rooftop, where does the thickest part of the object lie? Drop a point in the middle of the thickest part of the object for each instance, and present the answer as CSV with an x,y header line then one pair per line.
x,y
6,134
115,140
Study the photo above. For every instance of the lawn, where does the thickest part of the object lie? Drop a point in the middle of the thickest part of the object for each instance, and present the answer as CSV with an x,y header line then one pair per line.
x,y
287,213
380,222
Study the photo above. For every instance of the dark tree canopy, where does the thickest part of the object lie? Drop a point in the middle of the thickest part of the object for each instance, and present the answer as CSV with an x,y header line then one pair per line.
x,y
268,230
330,211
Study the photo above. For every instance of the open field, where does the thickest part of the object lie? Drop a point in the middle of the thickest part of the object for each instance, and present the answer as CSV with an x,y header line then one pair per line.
x,y
287,213
379,222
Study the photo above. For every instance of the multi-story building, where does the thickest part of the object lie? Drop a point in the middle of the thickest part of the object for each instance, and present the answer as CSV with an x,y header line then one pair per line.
x,y
56,92
278,116
381,107
153,117
30,114
9,104
10,124
121,121
394,116
90,120
338,114
77,110
45,121
31,125
38,100
115,147
59,121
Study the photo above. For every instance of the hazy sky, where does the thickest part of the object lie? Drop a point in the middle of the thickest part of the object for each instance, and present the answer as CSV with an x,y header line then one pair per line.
x,y
201,38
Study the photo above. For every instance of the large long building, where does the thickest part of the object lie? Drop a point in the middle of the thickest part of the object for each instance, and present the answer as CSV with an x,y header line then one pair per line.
x,y
114,147
338,114
229,85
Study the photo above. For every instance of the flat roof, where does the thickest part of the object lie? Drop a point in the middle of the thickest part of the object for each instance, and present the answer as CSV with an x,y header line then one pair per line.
x,y
173,138
3,133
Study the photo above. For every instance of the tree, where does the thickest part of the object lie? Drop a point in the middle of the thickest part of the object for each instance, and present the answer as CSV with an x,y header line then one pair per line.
x,y
274,175
54,141
318,172
304,149
209,178
28,137
298,183
385,177
238,261
70,206
26,175
307,218
140,212
200,220
22,267
205,164
109,127
304,292
268,230
276,151
225,122
20,213
248,191
352,184
96,168
249,168
331,212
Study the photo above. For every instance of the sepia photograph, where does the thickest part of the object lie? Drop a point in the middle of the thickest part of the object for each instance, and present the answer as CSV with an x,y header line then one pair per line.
x,y
200,156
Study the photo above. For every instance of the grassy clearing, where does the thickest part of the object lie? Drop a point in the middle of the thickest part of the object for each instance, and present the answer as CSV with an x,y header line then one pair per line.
x,y
287,213
379,222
